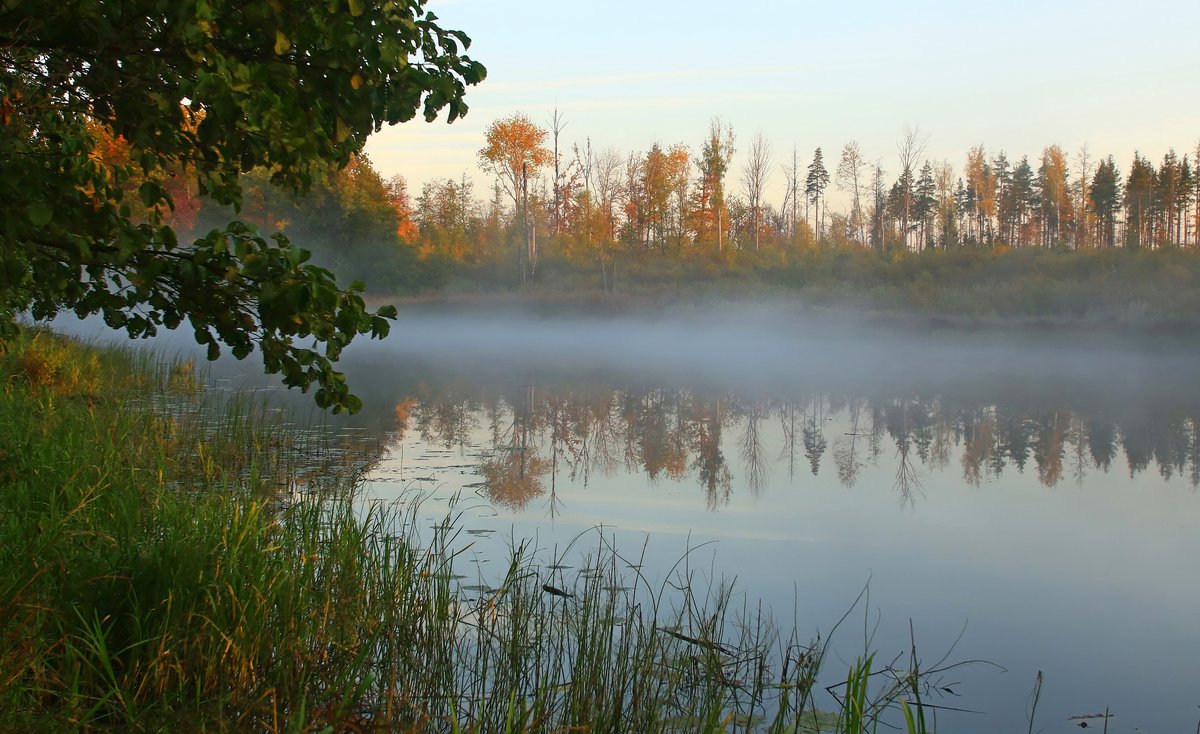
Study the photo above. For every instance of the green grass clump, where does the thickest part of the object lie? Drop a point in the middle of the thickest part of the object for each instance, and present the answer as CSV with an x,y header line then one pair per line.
x,y
169,562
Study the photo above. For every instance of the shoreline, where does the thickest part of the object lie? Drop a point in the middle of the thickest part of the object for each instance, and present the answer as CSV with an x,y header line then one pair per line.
x,y
1136,328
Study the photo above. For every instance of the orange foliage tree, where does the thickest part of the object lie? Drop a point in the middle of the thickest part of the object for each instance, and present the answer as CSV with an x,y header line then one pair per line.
x,y
515,149
115,155
398,197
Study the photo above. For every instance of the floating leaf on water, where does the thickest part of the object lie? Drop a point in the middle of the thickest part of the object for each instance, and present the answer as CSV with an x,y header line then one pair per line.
x,y
816,722
480,588
480,531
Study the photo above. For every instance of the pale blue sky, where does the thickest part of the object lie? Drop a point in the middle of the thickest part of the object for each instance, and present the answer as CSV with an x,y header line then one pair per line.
x,y
1014,76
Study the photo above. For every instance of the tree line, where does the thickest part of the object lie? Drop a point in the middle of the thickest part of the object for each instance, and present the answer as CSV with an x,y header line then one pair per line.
x,y
588,203
679,198
594,207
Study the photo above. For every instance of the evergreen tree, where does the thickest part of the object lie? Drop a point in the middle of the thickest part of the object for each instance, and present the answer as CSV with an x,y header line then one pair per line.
x,y
924,202
1139,203
1187,186
1105,195
1005,204
815,184
1024,197
1168,192
964,204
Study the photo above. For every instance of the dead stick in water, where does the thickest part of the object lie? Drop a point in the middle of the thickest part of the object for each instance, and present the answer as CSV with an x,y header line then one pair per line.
x,y
697,641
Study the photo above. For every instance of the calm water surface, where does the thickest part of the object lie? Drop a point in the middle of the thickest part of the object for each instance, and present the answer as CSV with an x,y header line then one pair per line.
x,y
1021,499
1033,506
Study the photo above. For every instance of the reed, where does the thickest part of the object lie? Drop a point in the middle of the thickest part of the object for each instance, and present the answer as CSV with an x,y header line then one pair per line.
x,y
171,561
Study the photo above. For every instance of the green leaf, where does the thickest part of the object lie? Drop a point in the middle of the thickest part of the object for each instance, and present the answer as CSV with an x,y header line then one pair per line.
x,y
289,125
150,193
39,213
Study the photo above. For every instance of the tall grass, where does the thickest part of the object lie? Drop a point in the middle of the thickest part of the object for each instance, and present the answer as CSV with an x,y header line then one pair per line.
x,y
172,562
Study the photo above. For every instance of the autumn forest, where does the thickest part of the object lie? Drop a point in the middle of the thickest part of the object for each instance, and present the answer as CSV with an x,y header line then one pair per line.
x,y
601,218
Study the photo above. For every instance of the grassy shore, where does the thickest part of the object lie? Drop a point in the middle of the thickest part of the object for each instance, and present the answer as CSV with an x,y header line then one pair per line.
x,y
174,562
1108,290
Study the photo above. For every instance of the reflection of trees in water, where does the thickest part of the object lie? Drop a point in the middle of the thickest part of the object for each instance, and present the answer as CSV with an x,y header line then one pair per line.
x,y
655,438
591,435
814,435
513,472
512,478
908,426
787,426
709,462
1049,446
1102,441
846,448
752,453
978,439
540,432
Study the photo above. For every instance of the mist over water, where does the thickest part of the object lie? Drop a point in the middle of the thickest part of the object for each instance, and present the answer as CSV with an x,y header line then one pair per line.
x,y
773,347
767,346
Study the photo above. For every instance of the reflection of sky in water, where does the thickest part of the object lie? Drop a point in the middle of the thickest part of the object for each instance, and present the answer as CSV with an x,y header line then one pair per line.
x,y
1091,581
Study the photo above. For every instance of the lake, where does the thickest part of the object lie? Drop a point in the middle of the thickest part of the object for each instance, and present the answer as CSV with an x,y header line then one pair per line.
x,y
1013,501
1023,499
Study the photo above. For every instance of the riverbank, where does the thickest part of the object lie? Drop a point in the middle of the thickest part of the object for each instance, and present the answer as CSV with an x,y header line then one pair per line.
x,y
172,561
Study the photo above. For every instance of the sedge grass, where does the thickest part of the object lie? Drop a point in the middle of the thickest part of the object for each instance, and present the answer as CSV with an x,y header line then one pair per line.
x,y
174,562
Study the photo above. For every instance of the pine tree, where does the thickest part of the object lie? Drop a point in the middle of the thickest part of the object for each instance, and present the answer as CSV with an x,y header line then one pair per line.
x,y
924,202
815,184
1168,191
1105,195
1024,197
713,164
1139,203
1006,206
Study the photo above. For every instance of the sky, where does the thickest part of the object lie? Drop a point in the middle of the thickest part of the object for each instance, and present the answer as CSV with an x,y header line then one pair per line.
x,y
1015,76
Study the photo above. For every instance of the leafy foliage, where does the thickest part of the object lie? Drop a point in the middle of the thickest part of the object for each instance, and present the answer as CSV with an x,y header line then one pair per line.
x,y
515,148
203,90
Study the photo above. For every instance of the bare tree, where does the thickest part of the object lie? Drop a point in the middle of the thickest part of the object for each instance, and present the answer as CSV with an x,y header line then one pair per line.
x,y
1083,209
850,172
607,176
911,149
878,207
791,198
557,125
754,177
584,160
